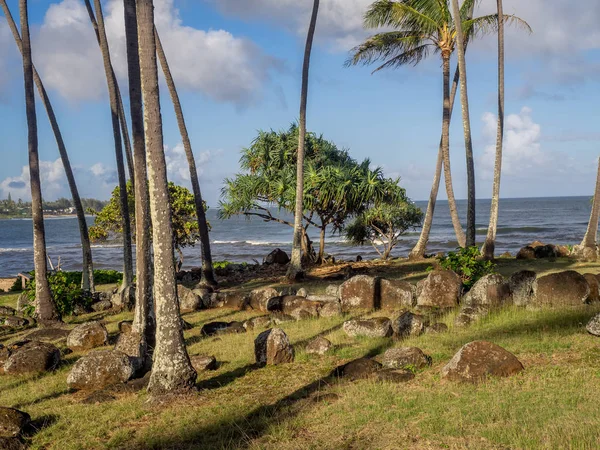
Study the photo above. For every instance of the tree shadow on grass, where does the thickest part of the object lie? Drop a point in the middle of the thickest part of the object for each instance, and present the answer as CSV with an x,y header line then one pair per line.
x,y
44,398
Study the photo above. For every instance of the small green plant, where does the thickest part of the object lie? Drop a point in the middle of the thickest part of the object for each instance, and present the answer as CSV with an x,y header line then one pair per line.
x,y
17,286
66,292
225,264
467,263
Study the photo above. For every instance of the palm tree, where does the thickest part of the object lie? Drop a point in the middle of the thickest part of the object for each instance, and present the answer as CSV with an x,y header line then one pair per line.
x,y
295,267
208,276
143,313
464,100
87,279
421,27
98,24
172,369
490,241
45,309
590,239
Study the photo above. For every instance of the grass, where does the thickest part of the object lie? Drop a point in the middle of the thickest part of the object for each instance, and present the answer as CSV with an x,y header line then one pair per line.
x,y
552,404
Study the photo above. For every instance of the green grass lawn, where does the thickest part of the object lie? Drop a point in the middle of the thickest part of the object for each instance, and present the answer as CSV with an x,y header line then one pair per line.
x,y
553,404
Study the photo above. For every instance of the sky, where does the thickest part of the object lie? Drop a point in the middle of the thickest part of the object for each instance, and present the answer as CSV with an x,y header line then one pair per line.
x,y
237,65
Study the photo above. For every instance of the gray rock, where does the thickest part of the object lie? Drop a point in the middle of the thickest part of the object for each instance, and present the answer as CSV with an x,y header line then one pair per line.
x,y
203,362
13,321
87,336
592,280
436,328
297,307
264,299
189,301
7,311
12,422
359,292
278,318
99,369
32,357
522,287
376,327
331,309
302,292
273,347
277,256
441,289
213,328
232,300
396,294
409,324
102,305
395,375
593,326
333,290
405,358
257,322
318,346
360,369
490,291
123,298
469,314
323,298
561,289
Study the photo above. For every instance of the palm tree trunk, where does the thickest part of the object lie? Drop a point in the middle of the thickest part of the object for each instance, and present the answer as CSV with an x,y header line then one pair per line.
x,y
464,99
295,269
45,309
322,244
172,370
87,280
590,238
143,313
460,235
490,241
98,23
208,276
419,250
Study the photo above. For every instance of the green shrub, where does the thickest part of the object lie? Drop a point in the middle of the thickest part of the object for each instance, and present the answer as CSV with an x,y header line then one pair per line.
x,y
467,263
66,292
225,264
17,286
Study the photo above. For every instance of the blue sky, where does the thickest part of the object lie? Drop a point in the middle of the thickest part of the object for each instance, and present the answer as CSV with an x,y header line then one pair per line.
x,y
237,65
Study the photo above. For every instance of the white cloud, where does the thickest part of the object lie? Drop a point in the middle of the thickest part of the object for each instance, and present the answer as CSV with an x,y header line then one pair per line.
x,y
8,54
214,62
177,165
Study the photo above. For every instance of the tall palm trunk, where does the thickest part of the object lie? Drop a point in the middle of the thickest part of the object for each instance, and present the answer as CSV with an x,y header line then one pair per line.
x,y
172,369
490,241
45,309
87,281
143,315
295,267
464,99
590,238
208,276
460,235
98,23
419,250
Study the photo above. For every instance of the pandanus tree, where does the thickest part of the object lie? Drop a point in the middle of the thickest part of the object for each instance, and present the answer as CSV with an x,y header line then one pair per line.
x,y
421,27
490,240
295,268
87,279
117,115
208,276
172,370
45,309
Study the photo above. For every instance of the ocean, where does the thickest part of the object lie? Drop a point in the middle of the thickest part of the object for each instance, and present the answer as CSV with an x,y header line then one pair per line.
x,y
559,220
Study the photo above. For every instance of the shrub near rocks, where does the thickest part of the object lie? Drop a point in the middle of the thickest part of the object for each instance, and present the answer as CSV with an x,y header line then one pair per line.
x,y
561,289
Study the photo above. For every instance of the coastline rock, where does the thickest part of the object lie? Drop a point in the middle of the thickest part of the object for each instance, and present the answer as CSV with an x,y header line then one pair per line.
x,y
545,251
13,321
273,347
396,294
478,360
377,327
522,286
277,256
359,292
441,289
567,288
491,291
318,346
32,357
87,336
99,369
526,252
405,358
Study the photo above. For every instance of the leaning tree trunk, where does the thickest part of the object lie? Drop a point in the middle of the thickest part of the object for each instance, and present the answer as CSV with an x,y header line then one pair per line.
x,y
419,250
143,318
490,241
460,235
208,276
464,99
590,238
295,268
45,309
87,279
98,23
172,370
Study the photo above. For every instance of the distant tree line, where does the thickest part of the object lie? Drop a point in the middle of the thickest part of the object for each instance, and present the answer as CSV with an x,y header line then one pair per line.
x,y
10,208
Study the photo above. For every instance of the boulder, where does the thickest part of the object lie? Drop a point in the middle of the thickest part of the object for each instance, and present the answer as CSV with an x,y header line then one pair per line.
x,y
278,318
123,298
213,328
125,326
299,307
409,324
331,309
318,346
491,291
396,294
7,311
302,292
405,358
323,298
436,328
560,289
545,251
265,299
12,422
287,290
232,300
333,290
526,252
592,280
102,305
203,362
4,355
563,251
87,336
272,347
189,301
57,335
593,326
469,314
99,369
257,322
13,321
208,298
478,360
395,375
32,357
522,287
360,292
441,289
360,369
277,256
376,327
133,346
